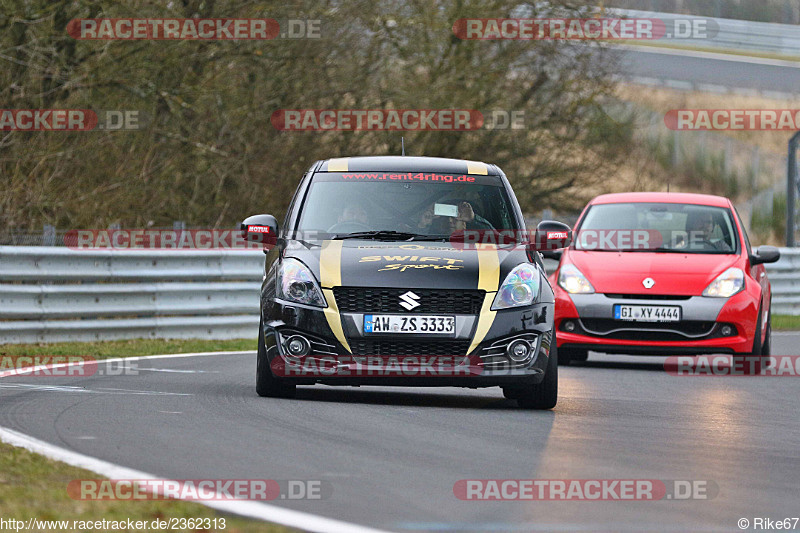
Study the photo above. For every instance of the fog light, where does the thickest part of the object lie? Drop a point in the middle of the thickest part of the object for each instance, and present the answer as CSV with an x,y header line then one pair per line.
x,y
569,325
518,350
726,331
297,345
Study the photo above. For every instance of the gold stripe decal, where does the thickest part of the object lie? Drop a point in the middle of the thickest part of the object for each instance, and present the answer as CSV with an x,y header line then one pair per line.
x,y
488,280
330,275
334,320
476,167
330,264
340,165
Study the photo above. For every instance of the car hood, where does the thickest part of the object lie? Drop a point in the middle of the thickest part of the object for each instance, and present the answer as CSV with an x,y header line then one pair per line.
x,y
406,264
674,274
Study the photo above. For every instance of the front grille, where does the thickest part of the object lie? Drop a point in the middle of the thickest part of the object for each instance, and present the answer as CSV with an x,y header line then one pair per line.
x,y
647,331
376,300
647,297
395,347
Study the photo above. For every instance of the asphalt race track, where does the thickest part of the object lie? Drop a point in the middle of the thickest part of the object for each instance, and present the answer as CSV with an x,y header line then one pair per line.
x,y
392,456
701,68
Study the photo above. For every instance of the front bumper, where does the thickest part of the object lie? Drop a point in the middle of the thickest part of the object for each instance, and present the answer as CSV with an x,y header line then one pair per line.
x,y
707,325
373,359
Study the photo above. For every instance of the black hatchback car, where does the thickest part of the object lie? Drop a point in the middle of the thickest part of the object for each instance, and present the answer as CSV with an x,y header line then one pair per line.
x,y
410,271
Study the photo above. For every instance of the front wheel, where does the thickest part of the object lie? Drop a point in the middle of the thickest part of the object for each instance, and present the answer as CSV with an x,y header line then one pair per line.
x,y
545,394
267,385
758,358
567,356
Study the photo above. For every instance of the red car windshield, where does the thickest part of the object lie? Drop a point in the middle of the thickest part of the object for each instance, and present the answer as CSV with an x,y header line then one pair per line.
x,y
657,227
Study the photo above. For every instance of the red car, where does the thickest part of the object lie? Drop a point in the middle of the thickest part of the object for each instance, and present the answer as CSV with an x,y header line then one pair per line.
x,y
661,274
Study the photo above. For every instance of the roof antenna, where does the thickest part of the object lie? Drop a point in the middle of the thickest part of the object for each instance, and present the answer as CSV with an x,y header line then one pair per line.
x,y
403,145
667,186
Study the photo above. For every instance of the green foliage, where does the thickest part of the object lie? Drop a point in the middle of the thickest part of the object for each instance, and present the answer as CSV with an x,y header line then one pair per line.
x,y
769,225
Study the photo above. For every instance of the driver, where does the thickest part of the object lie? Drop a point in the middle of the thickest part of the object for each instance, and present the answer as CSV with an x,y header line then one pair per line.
x,y
353,213
700,226
466,220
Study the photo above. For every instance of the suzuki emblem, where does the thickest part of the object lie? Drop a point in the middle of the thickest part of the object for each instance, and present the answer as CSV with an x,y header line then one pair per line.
x,y
648,283
409,300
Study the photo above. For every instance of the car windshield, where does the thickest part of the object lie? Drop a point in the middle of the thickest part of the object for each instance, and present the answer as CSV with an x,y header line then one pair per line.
x,y
403,206
657,227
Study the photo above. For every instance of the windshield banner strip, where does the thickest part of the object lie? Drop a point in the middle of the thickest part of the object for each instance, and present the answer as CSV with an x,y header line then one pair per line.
x,y
419,177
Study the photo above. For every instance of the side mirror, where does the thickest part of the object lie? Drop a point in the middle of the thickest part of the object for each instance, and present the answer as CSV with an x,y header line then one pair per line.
x,y
260,228
551,235
553,254
765,254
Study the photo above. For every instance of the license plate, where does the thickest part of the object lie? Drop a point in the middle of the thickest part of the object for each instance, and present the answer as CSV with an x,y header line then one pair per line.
x,y
443,325
647,313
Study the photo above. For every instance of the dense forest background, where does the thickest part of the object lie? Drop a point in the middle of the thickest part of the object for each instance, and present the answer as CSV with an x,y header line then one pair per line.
x,y
207,153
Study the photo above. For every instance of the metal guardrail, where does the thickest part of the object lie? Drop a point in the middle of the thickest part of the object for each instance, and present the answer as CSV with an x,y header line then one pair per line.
x,y
733,34
785,279
53,294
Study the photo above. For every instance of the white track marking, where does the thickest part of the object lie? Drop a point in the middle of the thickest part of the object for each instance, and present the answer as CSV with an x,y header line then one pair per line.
x,y
249,509
30,369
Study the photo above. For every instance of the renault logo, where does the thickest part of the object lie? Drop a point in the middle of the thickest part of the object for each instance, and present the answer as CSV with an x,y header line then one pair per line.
x,y
409,300
648,283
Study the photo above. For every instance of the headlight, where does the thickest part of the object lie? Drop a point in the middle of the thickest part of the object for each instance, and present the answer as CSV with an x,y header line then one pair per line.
x,y
520,288
573,281
726,285
297,284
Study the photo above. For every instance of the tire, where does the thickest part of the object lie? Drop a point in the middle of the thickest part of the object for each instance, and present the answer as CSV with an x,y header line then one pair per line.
x,y
267,385
766,347
545,394
511,393
567,356
753,362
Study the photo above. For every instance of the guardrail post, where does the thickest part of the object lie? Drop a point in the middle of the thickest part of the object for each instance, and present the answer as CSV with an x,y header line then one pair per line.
x,y
791,189
48,235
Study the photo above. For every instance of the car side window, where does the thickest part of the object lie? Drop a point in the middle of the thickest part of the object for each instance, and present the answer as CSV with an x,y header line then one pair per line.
x,y
744,233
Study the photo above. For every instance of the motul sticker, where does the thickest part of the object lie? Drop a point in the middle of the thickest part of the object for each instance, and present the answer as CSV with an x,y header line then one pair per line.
x,y
258,229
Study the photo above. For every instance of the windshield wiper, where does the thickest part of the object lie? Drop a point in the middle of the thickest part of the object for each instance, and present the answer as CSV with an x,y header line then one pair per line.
x,y
659,249
381,235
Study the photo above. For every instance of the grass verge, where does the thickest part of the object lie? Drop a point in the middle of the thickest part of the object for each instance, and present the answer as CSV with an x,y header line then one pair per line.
x,y
128,348
785,323
34,486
